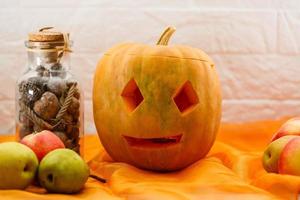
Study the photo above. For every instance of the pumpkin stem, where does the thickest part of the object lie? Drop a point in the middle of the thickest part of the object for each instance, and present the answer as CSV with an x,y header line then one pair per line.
x,y
165,36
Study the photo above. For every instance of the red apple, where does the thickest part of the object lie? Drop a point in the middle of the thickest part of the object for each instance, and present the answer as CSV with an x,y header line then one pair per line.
x,y
289,162
291,127
42,143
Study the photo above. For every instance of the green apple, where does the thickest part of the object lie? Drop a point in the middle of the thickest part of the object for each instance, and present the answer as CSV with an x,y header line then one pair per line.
x,y
289,161
18,165
63,171
272,153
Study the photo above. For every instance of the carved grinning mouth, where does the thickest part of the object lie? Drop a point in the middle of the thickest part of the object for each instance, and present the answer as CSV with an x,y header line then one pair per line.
x,y
153,142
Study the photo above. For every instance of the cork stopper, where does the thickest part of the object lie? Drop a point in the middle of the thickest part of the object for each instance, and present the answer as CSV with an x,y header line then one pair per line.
x,y
46,34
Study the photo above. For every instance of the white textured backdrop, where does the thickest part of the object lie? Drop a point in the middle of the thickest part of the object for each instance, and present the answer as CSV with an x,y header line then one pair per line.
x,y
254,43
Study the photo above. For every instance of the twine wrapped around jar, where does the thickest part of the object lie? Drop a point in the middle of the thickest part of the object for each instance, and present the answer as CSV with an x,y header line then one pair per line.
x,y
58,119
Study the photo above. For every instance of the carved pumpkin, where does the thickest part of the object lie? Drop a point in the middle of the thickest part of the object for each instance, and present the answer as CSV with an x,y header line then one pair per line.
x,y
156,107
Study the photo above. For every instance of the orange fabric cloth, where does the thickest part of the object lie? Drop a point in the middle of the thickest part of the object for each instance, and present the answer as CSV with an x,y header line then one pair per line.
x,y
232,170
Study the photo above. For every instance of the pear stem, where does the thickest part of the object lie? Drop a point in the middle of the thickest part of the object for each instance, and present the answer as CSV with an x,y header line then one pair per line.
x,y
165,36
102,180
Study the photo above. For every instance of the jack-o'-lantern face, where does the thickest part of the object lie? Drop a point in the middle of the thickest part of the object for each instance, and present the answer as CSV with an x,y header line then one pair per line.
x,y
156,107
185,99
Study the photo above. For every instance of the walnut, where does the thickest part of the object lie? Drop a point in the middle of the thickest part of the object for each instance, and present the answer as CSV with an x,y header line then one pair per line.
x,y
31,90
57,86
47,106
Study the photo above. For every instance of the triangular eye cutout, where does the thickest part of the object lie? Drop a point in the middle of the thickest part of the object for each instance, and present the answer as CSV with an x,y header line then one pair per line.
x,y
132,95
186,98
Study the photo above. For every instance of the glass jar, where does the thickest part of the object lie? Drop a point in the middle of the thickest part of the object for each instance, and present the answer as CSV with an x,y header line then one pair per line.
x,y
47,95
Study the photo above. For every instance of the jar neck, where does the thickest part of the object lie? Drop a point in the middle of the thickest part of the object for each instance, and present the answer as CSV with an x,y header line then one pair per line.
x,y
47,58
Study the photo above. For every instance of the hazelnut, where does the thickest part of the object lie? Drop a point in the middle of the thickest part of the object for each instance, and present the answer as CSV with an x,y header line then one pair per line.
x,y
71,82
69,128
76,149
24,130
68,119
23,118
75,116
61,127
63,137
37,128
74,133
70,144
74,106
77,94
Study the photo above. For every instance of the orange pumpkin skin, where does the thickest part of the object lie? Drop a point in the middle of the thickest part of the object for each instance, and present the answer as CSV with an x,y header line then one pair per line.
x,y
156,107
